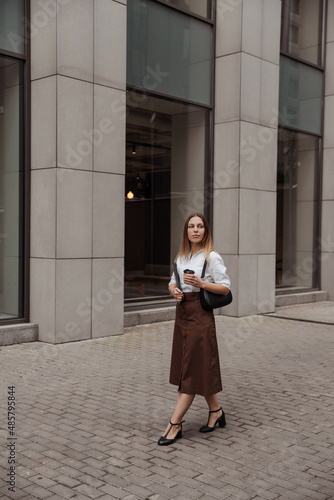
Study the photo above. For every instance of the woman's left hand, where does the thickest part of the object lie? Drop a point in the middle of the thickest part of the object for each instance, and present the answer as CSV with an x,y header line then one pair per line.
x,y
192,279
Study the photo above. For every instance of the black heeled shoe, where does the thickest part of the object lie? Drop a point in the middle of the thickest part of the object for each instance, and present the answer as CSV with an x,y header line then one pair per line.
x,y
220,421
164,441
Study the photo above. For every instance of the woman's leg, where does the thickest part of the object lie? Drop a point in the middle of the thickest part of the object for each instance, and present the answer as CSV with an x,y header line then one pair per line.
x,y
213,405
182,406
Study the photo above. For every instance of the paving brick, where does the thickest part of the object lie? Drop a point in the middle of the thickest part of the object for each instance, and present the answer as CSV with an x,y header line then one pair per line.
x,y
114,491
263,493
179,479
38,492
45,482
141,481
91,481
4,483
68,481
182,497
18,494
209,497
89,491
228,488
140,491
163,491
116,480
69,471
95,453
156,497
316,495
55,497
108,497
63,491
89,420
288,494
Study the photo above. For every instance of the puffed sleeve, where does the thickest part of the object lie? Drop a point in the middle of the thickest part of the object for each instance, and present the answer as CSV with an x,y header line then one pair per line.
x,y
217,270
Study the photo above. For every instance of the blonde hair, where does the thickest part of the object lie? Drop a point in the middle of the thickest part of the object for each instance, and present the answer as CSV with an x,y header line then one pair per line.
x,y
207,245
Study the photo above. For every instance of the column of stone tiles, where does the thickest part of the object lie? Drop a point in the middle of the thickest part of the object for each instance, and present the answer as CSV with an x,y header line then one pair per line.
x,y
245,160
327,212
78,165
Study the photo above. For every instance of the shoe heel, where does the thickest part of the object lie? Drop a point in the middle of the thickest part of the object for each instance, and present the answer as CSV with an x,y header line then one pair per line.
x,y
222,421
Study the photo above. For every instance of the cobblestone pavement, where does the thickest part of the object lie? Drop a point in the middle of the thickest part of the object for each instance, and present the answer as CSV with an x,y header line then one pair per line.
x,y
88,416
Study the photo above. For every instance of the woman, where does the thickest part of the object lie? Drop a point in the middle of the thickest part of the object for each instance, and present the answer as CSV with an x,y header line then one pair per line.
x,y
195,362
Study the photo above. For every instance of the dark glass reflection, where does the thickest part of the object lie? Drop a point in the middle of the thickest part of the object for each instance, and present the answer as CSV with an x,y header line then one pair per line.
x,y
305,30
165,164
296,202
11,189
147,207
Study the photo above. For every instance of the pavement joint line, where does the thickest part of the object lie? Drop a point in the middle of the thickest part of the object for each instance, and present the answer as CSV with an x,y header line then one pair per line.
x,y
271,315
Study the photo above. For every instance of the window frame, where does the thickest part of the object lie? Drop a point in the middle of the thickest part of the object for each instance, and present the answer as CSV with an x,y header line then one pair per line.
x,y
212,23
24,212
209,154
210,13
317,215
284,42
137,304
283,289
322,70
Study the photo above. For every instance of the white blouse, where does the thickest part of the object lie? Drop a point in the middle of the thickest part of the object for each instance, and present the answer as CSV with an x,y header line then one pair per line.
x,y
215,271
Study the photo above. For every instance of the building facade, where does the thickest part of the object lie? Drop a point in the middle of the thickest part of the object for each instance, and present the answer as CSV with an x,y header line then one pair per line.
x,y
120,118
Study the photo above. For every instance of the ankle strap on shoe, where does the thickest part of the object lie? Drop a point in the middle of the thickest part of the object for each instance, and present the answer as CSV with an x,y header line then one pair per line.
x,y
215,411
180,423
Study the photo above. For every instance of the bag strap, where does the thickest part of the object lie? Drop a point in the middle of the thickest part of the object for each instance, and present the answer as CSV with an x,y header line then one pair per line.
x,y
203,270
177,277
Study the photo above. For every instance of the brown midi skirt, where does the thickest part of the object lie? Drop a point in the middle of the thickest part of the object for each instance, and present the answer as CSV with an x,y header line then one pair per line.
x,y
195,365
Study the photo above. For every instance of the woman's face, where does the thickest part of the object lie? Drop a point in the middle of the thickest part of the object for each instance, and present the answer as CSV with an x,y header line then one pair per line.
x,y
196,230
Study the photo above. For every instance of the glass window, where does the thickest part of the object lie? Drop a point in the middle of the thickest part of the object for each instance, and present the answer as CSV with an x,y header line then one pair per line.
x,y
12,25
300,102
165,163
297,172
168,52
304,31
199,7
295,7
11,188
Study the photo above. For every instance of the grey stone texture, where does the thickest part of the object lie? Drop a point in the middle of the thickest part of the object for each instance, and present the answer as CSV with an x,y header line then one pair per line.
x,y
17,334
327,206
245,157
78,66
89,413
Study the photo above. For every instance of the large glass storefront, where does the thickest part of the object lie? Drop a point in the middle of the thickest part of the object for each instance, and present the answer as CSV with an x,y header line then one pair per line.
x,y
297,203
299,145
168,126
11,186
12,161
165,160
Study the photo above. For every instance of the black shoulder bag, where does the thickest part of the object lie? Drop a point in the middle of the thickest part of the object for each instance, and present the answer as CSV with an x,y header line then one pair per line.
x,y
210,300
177,278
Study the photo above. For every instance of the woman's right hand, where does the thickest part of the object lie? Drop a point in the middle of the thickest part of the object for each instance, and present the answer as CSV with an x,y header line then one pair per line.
x,y
177,294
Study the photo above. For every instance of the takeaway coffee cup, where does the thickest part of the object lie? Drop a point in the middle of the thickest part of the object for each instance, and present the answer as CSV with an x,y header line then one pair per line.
x,y
188,271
